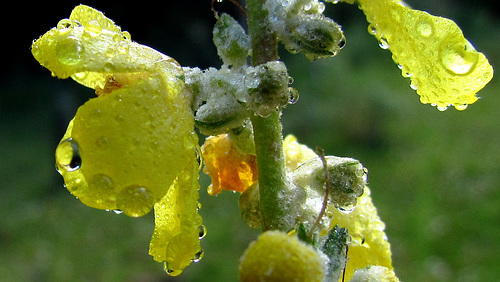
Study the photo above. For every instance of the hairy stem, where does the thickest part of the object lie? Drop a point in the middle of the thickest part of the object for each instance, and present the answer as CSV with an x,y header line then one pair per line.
x,y
267,130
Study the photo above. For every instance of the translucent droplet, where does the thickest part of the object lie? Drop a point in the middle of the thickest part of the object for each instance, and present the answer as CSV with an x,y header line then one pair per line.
x,y
383,43
458,57
126,35
441,108
413,86
68,155
347,209
122,47
171,272
425,28
202,231
372,30
198,256
135,201
294,95
64,24
461,107
118,211
92,29
69,51
103,186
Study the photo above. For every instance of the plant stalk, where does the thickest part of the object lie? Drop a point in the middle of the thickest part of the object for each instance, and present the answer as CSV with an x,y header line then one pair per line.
x,y
267,130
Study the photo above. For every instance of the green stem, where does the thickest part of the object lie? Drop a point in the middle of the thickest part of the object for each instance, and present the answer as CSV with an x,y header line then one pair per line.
x,y
267,130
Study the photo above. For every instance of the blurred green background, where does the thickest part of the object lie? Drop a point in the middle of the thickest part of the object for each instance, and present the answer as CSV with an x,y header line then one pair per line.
x,y
434,175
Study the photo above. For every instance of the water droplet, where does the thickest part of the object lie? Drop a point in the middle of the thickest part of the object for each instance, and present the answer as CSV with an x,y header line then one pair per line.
x,y
461,107
135,201
103,186
122,47
383,43
202,231
442,108
92,29
293,94
372,30
70,51
171,272
425,28
68,155
118,211
126,35
413,86
198,256
458,57
64,24
347,209
341,42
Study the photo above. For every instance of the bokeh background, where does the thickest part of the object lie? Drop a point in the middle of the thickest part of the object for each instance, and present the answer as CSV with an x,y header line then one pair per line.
x,y
434,176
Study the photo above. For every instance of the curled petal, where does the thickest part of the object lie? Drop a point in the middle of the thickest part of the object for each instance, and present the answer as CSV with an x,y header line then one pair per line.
x,y
176,237
228,168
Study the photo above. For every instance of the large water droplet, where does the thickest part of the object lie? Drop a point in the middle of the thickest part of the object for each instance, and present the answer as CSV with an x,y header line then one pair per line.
x,y
135,200
458,57
70,51
68,155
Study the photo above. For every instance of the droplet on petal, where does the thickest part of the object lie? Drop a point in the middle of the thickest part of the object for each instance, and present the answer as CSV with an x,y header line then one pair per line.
x,y
68,155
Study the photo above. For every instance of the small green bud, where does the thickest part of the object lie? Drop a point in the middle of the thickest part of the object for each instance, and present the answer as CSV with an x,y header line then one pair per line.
x,y
231,41
317,37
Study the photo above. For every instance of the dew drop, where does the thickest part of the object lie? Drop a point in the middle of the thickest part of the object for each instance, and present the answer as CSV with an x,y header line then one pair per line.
x,y
92,29
135,201
461,107
383,43
103,186
171,272
122,47
293,94
198,256
64,24
441,108
458,57
425,28
372,29
202,230
413,86
68,155
118,211
69,51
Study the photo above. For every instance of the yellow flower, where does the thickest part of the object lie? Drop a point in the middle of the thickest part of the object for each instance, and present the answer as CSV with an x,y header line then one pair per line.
x,y
134,146
124,148
228,168
276,256
442,65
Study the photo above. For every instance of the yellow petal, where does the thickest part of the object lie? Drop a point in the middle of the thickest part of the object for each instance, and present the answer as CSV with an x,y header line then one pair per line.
x,y
178,226
89,47
443,66
296,153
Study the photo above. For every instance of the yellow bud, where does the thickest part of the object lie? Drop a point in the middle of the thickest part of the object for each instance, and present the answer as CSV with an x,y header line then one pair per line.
x,y
276,256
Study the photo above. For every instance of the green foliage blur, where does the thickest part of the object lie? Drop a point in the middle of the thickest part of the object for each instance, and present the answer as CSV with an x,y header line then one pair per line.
x,y
434,176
